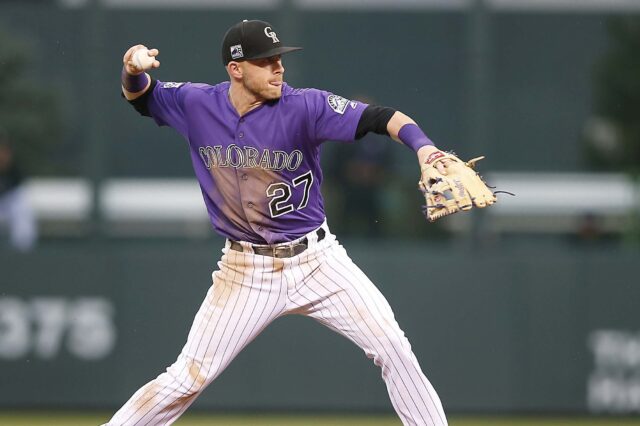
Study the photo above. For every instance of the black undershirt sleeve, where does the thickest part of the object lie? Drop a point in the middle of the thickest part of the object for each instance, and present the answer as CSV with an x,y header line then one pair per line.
x,y
374,119
140,103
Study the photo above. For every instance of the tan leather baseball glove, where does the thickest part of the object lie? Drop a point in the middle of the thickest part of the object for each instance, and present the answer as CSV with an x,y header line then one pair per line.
x,y
450,185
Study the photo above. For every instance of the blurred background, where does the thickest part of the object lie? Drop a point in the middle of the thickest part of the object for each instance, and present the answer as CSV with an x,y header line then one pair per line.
x,y
528,308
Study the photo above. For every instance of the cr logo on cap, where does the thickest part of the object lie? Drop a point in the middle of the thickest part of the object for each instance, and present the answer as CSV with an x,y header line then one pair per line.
x,y
271,34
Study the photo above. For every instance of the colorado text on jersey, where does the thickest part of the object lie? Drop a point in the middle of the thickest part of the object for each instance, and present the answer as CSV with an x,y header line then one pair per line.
x,y
248,156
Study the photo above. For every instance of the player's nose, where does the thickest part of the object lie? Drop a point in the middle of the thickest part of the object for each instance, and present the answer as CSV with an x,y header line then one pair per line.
x,y
278,68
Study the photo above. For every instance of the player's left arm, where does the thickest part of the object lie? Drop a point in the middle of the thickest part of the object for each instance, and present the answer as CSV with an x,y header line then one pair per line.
x,y
398,121
397,125
448,184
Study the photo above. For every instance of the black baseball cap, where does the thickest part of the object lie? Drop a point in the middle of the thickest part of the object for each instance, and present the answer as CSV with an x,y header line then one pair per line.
x,y
252,40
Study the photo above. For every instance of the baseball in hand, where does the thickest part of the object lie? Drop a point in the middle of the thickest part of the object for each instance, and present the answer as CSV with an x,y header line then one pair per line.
x,y
142,60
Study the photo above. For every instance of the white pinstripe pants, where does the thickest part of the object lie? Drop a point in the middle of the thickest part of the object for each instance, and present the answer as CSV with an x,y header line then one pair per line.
x,y
249,292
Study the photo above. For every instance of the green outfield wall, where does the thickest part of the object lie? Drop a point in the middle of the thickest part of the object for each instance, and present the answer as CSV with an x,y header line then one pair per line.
x,y
538,90
521,329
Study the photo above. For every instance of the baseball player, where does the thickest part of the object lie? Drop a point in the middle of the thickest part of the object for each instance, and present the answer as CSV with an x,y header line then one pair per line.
x,y
255,143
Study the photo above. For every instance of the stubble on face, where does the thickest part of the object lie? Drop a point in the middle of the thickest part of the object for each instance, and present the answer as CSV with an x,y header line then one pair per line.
x,y
261,89
259,80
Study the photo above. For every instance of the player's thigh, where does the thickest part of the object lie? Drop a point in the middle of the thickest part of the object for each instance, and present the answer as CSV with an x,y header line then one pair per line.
x,y
236,308
348,302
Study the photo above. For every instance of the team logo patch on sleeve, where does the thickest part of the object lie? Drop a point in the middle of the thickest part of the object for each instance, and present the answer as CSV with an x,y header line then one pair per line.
x,y
338,103
171,85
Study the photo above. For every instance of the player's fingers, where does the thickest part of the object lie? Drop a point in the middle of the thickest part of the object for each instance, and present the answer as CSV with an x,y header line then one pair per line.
x,y
132,68
154,52
156,64
129,53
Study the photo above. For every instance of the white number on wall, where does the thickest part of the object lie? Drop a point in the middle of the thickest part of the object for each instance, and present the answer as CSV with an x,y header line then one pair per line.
x,y
45,326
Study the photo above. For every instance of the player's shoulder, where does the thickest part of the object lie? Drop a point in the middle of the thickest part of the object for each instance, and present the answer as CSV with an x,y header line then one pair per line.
x,y
294,92
307,96
316,99
219,89
288,90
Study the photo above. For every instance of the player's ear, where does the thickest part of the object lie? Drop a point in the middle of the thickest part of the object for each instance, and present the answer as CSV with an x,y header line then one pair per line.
x,y
234,69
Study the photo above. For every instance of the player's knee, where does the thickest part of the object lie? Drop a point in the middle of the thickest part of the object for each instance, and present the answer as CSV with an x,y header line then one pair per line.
x,y
391,347
180,385
188,376
396,339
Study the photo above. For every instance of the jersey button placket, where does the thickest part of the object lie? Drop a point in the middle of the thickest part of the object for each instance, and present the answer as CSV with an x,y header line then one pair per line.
x,y
240,133
244,177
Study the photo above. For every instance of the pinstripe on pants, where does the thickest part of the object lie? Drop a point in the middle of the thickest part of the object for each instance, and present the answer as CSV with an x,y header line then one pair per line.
x,y
249,292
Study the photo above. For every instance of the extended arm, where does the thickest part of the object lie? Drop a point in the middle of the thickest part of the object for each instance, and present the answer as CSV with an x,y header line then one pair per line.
x,y
448,184
394,128
399,126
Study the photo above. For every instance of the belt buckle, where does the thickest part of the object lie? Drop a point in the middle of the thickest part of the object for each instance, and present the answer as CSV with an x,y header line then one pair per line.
x,y
283,251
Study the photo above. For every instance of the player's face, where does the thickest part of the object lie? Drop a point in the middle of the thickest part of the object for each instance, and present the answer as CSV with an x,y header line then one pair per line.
x,y
263,77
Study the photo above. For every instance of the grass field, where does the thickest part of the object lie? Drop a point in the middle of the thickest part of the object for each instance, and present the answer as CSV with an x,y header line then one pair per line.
x,y
54,419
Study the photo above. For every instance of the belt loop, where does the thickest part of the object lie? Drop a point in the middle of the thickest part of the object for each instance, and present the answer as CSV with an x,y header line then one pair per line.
x,y
325,228
246,246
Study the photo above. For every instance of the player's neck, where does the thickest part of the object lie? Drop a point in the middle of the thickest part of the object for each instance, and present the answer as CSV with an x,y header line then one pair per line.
x,y
242,100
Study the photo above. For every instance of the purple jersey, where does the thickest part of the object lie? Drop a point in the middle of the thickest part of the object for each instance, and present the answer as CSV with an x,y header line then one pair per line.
x,y
260,173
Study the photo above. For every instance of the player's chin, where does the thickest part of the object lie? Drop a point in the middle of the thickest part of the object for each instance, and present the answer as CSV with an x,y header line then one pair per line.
x,y
273,92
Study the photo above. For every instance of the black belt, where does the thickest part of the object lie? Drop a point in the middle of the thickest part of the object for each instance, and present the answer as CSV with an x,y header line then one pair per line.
x,y
280,250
